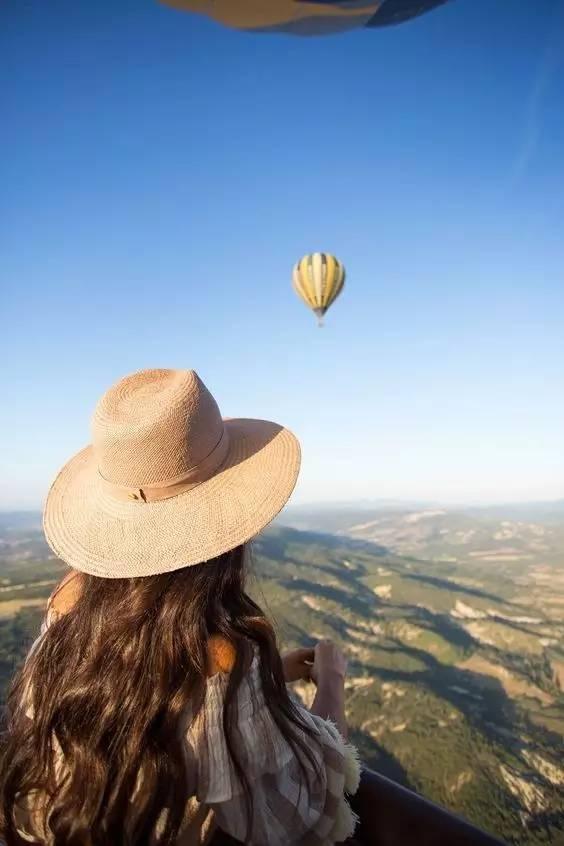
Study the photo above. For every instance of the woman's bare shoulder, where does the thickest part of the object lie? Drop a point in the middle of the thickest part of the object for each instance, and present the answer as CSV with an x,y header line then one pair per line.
x,y
221,655
66,593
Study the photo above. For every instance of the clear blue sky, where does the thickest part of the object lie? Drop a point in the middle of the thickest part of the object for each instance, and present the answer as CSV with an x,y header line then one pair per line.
x,y
160,175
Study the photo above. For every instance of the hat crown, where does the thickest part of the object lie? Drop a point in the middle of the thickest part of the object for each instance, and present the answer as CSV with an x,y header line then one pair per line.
x,y
154,426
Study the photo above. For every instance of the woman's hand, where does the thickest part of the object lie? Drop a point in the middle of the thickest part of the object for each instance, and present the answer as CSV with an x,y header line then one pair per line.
x,y
298,664
329,664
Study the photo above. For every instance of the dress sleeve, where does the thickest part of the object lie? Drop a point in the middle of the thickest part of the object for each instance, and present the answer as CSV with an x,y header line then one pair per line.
x,y
285,813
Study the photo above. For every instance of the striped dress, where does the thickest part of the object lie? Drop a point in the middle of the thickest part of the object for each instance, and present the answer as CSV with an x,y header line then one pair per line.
x,y
283,813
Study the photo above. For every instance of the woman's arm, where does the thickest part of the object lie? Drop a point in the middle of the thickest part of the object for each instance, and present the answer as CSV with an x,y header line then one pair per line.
x,y
329,703
328,672
326,666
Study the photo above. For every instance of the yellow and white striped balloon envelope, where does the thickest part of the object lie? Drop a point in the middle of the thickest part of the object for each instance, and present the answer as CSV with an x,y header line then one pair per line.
x,y
318,279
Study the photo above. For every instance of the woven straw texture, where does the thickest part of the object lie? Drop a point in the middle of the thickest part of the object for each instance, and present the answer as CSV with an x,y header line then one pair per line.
x,y
155,428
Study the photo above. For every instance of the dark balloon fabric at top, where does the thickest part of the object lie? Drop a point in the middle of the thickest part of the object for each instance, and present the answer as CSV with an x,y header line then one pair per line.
x,y
307,17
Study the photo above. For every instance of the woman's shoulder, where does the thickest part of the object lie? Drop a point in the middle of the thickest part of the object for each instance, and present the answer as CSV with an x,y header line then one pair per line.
x,y
221,655
66,593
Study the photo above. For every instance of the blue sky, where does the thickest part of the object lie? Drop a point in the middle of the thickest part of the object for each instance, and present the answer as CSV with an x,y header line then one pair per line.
x,y
160,175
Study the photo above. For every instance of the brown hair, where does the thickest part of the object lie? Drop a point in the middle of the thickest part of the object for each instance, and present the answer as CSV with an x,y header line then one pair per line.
x,y
111,680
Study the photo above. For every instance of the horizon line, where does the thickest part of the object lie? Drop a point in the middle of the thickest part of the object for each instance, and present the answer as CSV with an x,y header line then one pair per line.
x,y
406,502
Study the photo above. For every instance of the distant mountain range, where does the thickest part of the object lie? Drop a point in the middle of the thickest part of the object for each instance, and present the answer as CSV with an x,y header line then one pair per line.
x,y
548,508
13,520
515,533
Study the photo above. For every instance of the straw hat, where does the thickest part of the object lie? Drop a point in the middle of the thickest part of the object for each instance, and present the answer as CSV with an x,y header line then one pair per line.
x,y
166,483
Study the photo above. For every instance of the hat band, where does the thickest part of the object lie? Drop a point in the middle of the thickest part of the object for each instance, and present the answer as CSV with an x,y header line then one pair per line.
x,y
180,484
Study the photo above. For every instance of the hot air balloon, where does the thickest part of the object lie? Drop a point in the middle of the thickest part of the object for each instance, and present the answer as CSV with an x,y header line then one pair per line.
x,y
306,17
318,279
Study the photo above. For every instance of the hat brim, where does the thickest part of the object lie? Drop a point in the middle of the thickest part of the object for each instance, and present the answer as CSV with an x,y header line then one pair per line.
x,y
95,533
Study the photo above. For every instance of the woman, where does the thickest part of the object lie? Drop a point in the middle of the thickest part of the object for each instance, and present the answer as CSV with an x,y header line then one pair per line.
x,y
153,708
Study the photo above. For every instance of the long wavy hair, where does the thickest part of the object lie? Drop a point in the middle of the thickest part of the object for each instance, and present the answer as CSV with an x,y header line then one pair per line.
x,y
112,680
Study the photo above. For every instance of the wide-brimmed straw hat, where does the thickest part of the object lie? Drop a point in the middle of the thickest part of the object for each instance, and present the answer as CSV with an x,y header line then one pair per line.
x,y
167,482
